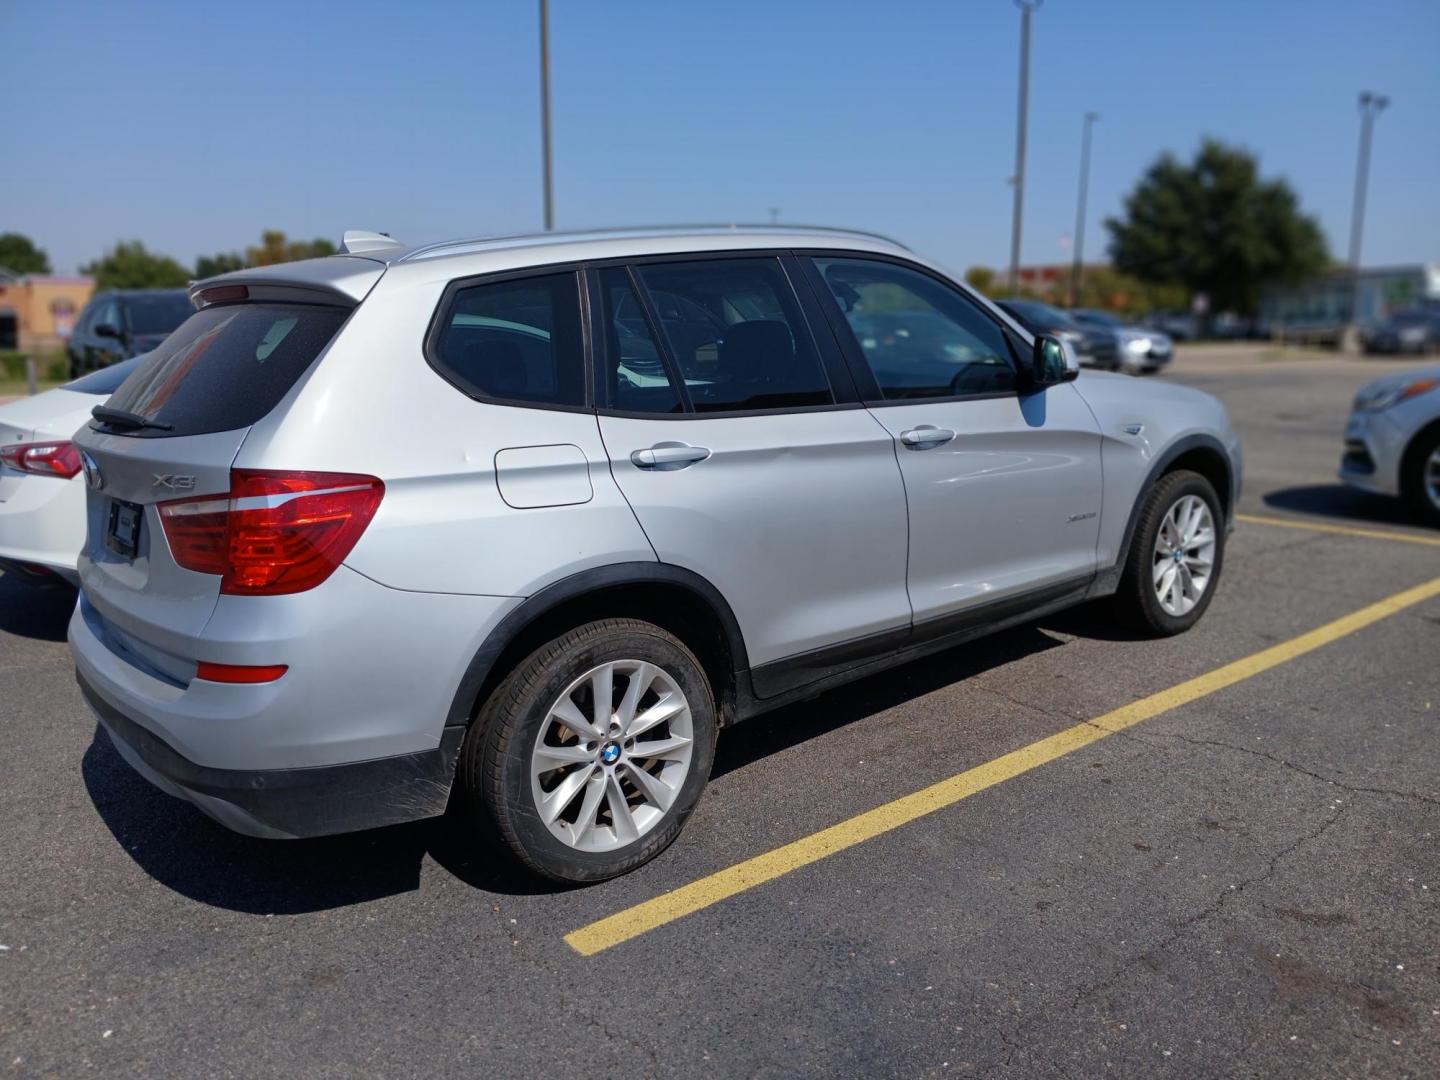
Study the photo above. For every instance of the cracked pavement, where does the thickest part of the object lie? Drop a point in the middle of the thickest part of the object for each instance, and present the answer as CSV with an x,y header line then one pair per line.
x,y
1244,886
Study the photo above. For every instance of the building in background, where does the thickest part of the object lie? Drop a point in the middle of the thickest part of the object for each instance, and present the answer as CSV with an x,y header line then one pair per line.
x,y
38,312
1050,282
1319,310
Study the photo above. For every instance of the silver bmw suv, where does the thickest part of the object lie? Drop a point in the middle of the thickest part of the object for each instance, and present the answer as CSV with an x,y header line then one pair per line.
x,y
524,522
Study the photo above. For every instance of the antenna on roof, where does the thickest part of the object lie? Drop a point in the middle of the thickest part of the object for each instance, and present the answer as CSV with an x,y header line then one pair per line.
x,y
360,242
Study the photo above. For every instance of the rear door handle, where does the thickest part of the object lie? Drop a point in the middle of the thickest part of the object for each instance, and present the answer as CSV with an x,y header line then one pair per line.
x,y
668,456
926,437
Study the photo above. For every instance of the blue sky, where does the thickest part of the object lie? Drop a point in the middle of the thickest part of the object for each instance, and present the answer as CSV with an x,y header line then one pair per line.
x,y
194,126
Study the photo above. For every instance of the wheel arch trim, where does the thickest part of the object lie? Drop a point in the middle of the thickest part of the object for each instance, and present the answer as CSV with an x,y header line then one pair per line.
x,y
1109,579
577,586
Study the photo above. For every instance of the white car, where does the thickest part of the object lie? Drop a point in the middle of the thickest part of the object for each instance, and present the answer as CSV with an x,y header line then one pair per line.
x,y
1392,440
42,491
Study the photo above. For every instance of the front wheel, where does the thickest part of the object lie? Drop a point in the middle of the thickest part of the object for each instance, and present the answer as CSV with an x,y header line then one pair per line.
x,y
593,752
1420,484
1176,553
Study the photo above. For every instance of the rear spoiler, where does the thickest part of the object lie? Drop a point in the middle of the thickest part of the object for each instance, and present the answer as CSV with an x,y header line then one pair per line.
x,y
342,280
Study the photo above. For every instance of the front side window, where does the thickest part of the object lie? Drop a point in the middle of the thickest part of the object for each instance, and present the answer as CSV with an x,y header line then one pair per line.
x,y
515,341
920,338
737,335
108,315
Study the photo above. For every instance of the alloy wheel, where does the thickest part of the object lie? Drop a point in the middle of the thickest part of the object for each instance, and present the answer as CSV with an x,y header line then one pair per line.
x,y
1430,477
612,755
1184,555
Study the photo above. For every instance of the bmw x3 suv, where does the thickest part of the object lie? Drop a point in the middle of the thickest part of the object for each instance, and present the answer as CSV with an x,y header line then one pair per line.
x,y
533,518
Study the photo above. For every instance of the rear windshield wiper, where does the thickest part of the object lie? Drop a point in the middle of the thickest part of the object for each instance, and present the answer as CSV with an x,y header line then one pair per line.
x,y
127,419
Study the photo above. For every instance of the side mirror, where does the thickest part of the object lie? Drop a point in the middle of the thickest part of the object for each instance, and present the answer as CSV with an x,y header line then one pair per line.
x,y
1054,361
104,329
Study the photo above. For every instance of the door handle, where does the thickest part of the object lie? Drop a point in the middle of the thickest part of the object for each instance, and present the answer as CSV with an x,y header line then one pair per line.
x,y
926,437
671,455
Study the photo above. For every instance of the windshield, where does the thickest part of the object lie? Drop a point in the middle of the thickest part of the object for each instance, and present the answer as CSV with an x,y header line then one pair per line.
x,y
1099,318
1041,314
157,313
1409,318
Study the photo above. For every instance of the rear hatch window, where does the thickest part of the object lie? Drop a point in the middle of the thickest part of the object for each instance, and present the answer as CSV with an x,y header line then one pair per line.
x,y
225,367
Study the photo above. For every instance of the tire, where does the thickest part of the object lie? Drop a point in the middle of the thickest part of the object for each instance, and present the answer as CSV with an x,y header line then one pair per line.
x,y
1415,486
589,838
1138,600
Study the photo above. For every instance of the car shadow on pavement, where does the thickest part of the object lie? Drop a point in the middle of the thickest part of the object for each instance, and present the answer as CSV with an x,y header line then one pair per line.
x,y
1340,502
34,611
184,850
773,732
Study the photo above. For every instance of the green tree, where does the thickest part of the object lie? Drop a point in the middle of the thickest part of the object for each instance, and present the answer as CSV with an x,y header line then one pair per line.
x,y
275,248
129,266
980,278
1215,227
221,263
19,253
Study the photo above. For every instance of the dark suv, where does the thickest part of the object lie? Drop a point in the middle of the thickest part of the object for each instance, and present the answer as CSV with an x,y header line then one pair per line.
x,y
122,323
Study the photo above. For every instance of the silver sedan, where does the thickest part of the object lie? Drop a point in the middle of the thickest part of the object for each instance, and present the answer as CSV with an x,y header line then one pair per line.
x,y
1392,440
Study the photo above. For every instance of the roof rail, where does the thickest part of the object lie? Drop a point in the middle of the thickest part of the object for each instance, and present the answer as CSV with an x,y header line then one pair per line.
x,y
360,242
648,230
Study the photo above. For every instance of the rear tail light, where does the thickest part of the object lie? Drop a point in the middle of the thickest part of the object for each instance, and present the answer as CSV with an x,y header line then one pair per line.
x,y
273,532
43,458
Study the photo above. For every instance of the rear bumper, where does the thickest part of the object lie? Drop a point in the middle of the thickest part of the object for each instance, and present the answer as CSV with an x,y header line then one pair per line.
x,y
289,803
42,524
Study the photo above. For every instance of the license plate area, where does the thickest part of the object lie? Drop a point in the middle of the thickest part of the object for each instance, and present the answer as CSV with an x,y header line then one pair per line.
x,y
122,530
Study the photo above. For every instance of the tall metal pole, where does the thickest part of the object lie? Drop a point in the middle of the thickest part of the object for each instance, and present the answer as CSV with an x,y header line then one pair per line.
x,y
1026,7
1090,118
545,114
1370,106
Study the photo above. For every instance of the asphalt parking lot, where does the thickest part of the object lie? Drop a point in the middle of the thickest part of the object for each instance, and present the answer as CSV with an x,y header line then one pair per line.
x,y
1238,877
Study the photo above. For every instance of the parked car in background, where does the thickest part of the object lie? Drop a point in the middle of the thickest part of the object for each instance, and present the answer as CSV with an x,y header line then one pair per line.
x,y
42,489
1138,349
120,323
1096,348
1392,440
536,516
1416,331
1178,325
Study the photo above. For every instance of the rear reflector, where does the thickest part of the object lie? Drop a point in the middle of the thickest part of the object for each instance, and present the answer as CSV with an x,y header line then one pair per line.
x,y
43,458
273,532
240,673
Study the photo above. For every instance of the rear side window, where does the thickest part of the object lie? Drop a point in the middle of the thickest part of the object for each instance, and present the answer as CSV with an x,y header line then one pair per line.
x,y
637,380
226,367
515,341
737,335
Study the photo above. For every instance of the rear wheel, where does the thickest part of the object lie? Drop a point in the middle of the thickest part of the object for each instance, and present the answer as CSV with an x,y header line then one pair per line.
x,y
593,752
1420,483
1175,556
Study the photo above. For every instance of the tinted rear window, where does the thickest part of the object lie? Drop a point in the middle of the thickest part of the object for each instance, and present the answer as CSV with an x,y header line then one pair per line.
x,y
226,367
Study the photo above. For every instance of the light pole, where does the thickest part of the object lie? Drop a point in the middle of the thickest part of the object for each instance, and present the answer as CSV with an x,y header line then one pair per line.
x,y
545,114
1026,7
1090,118
1370,107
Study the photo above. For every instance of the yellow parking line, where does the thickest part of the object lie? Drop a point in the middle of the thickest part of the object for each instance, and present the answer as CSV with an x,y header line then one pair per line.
x,y
1343,530
642,918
